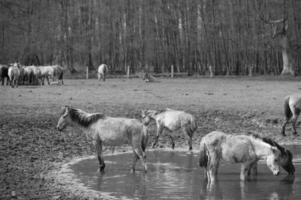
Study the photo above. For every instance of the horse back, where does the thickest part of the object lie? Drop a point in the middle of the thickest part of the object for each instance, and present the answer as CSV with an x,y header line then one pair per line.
x,y
117,131
174,119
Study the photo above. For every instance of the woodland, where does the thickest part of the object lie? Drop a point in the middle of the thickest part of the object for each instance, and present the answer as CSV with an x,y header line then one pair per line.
x,y
233,37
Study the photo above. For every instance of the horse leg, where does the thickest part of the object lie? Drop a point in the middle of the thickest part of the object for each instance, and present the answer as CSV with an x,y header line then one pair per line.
x,y
213,166
294,121
47,78
187,131
245,170
98,147
172,141
139,154
283,127
159,131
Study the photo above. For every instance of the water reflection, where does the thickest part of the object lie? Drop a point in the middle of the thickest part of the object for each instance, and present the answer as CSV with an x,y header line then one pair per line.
x,y
175,175
246,190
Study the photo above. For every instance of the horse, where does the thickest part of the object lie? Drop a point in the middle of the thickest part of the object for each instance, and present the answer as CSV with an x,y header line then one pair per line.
x,y
102,72
28,74
292,108
110,131
14,74
244,149
4,74
285,160
46,72
59,73
171,120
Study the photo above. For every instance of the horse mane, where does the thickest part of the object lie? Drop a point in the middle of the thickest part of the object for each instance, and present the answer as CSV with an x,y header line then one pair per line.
x,y
270,142
83,118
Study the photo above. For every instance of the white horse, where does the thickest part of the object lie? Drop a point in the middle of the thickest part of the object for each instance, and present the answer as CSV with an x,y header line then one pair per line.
x,y
292,109
110,131
244,149
171,120
102,72
14,74
46,72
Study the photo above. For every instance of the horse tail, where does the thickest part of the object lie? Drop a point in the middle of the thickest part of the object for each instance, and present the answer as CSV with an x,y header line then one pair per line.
x,y
203,155
144,138
287,111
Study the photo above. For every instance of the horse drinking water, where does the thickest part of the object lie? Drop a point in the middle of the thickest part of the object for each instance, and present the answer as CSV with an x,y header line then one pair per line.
x,y
171,120
102,72
110,131
244,149
285,160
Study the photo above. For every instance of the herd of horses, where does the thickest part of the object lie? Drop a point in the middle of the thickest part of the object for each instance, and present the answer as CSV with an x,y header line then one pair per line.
x,y
214,146
16,74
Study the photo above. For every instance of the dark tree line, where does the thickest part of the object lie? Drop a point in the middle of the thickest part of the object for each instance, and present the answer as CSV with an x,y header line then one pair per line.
x,y
233,36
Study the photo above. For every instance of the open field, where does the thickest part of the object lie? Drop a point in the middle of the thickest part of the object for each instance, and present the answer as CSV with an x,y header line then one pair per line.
x,y
30,145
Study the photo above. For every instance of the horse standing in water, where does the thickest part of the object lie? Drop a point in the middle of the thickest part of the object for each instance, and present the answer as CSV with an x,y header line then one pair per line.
x,y
4,74
244,149
102,72
110,131
171,120
14,74
292,109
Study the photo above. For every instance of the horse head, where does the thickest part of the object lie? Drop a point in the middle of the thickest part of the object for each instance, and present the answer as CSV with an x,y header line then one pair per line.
x,y
273,160
147,116
64,119
286,161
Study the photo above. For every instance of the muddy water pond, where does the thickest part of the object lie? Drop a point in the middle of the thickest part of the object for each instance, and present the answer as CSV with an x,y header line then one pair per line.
x,y
176,175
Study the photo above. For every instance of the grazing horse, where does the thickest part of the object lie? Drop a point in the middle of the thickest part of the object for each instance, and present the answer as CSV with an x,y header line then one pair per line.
x,y
102,72
14,74
59,73
244,149
110,131
292,108
4,74
171,120
285,160
46,72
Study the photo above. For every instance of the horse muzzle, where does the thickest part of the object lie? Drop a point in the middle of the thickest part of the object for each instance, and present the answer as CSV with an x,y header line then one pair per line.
x,y
58,128
276,173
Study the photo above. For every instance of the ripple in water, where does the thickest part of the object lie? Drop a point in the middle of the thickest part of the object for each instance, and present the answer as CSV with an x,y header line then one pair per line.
x,y
176,175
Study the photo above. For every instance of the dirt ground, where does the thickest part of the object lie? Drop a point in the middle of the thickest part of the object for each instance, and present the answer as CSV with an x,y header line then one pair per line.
x,y
30,146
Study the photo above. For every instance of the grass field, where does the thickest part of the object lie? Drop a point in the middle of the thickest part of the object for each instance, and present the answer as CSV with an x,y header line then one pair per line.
x,y
30,145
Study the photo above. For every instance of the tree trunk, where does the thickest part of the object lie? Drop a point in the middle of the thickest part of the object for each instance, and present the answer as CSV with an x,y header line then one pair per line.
x,y
288,68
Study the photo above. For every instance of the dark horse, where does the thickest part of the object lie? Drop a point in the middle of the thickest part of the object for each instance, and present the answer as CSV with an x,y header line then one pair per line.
x,y
4,74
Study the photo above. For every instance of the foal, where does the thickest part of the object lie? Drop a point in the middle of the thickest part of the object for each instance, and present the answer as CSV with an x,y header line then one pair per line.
x,y
110,131
171,120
